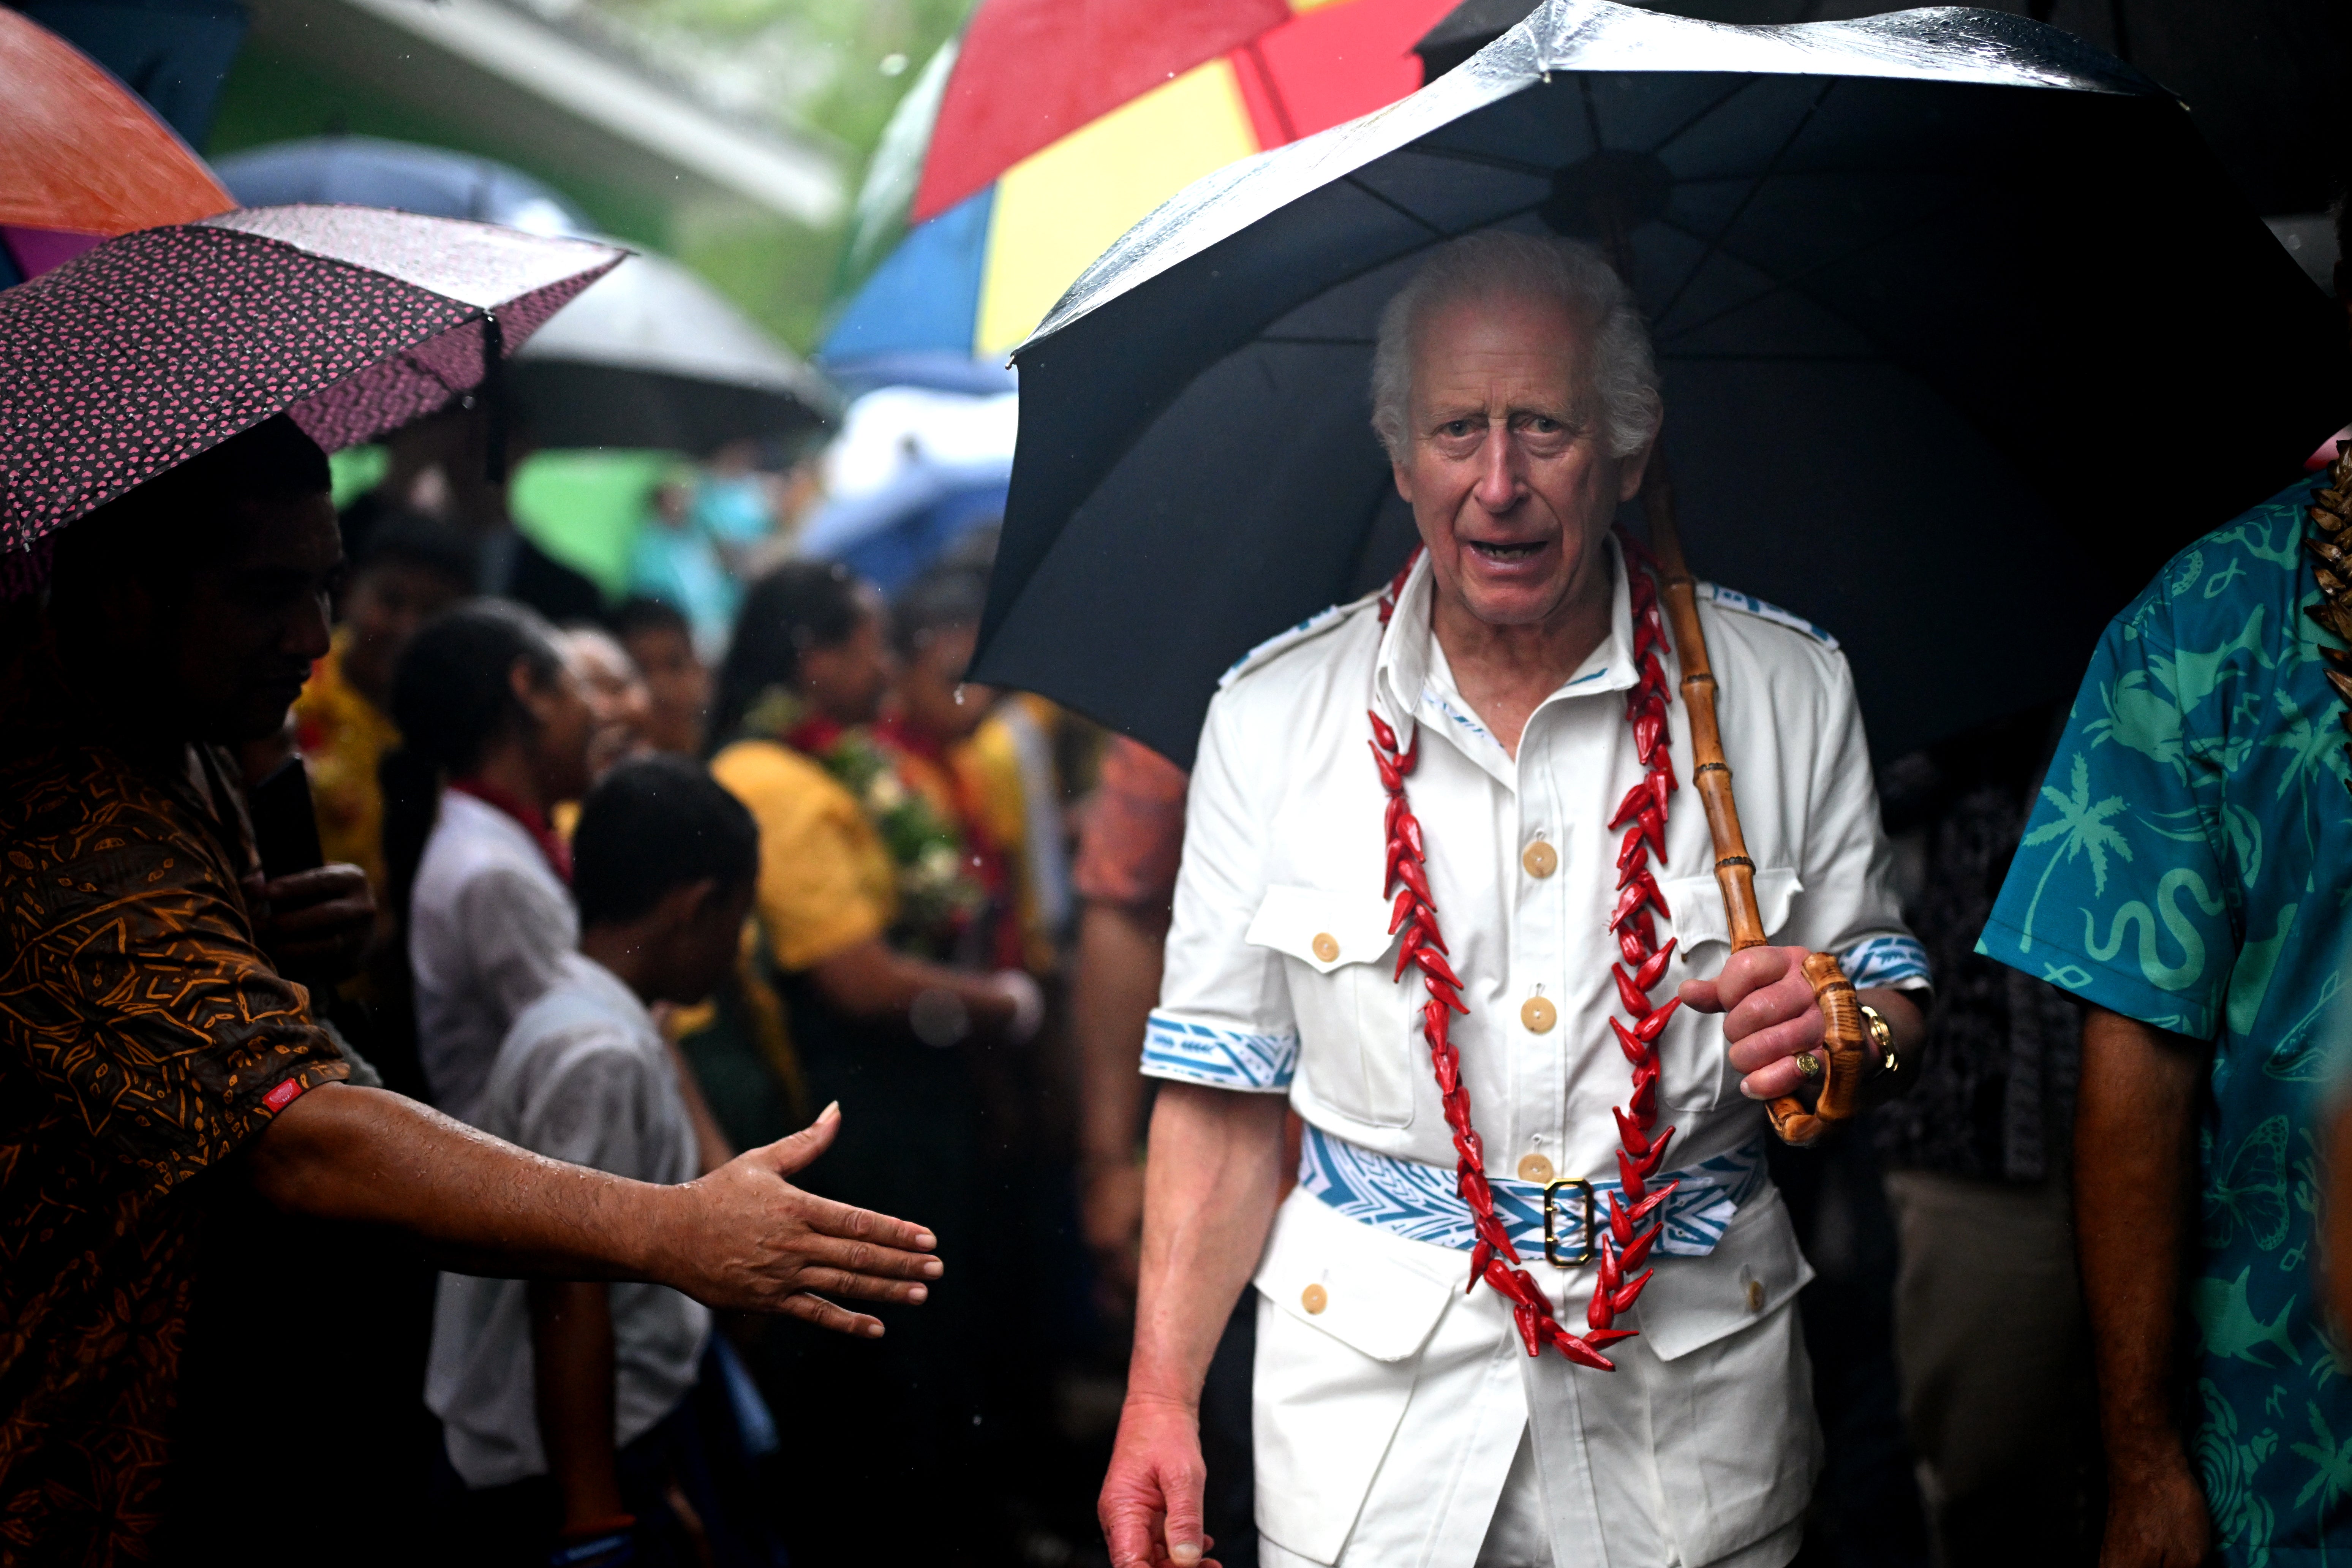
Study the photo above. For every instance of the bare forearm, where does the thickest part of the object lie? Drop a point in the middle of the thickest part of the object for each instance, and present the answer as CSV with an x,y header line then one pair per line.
x,y
1111,995
869,981
2134,1131
572,1389
1210,1190
375,1158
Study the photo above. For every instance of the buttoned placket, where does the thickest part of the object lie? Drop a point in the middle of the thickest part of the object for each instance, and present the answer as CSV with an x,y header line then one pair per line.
x,y
1555,766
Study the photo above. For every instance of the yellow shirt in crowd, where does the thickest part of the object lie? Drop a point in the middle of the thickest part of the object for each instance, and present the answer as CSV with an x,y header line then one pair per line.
x,y
826,879
342,737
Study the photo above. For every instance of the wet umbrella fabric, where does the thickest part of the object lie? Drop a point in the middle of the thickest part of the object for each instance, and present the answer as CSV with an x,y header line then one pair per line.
x,y
1910,394
1033,139
651,357
136,356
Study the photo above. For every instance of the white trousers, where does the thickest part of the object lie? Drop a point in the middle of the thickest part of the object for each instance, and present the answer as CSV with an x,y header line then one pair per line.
x,y
1476,1454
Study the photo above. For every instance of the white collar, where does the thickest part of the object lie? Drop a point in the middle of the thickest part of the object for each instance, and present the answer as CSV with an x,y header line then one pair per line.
x,y
1412,674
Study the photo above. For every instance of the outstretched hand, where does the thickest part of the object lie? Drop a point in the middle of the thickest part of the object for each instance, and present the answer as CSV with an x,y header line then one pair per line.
x,y
751,1241
1770,1016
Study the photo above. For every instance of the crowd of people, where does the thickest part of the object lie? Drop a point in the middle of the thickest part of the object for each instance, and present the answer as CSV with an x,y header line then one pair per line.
x,y
569,886
887,949
484,1078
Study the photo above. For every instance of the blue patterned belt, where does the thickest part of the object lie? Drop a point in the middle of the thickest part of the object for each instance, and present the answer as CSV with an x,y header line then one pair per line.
x,y
1419,1202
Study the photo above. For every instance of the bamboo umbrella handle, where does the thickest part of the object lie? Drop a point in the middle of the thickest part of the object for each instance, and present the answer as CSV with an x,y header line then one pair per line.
x,y
1842,1049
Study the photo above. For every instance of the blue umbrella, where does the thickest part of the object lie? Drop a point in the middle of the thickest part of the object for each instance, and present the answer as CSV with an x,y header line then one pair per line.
x,y
889,535
369,172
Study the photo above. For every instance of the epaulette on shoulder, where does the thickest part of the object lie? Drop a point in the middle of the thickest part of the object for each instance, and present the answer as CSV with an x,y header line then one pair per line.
x,y
1307,630
1733,599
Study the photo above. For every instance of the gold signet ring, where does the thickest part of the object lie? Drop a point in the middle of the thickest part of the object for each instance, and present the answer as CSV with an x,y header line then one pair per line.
x,y
1808,1065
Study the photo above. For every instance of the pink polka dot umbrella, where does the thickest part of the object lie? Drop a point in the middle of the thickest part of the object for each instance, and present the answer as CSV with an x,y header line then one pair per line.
x,y
137,355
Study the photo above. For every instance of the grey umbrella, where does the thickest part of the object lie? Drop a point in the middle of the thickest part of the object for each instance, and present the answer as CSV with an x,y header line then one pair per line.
x,y
651,356
1917,390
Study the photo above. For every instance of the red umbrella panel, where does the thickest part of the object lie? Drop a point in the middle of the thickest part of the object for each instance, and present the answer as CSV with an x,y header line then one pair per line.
x,y
81,156
1034,191
139,354
1029,73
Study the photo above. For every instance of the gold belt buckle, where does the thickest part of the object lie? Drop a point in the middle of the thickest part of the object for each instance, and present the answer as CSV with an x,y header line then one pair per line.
x,y
1551,1224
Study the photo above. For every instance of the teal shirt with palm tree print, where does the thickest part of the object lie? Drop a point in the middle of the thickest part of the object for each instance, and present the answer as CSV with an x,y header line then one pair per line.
x,y
2189,865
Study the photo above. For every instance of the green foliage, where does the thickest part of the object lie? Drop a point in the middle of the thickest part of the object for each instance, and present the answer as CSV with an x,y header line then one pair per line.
x,y
839,66
829,72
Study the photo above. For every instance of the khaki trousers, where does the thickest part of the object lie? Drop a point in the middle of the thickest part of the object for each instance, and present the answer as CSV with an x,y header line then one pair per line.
x,y
1990,1346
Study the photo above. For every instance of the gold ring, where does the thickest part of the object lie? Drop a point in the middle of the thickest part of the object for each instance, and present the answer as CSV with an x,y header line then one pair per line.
x,y
1808,1065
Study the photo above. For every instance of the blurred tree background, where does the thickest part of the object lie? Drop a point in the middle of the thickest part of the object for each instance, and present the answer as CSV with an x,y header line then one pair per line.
x,y
822,75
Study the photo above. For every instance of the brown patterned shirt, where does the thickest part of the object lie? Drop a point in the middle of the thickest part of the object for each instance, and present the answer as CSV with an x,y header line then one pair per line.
x,y
143,1039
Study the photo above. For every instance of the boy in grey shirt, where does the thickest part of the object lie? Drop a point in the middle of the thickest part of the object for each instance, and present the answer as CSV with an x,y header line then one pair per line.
x,y
562,1400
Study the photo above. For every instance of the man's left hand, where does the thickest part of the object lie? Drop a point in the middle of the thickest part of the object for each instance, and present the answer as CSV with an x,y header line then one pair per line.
x,y
317,923
1770,1016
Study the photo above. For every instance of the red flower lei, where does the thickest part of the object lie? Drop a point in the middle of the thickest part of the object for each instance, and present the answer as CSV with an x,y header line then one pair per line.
x,y
1624,1246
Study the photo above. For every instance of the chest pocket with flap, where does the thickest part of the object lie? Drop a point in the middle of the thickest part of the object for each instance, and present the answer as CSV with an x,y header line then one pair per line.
x,y
1355,1045
1698,916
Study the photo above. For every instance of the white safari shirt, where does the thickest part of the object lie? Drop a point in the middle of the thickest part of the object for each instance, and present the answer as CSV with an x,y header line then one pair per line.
x,y
1391,1404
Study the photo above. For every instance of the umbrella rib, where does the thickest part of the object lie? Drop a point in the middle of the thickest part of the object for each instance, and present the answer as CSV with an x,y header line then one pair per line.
x,y
1679,131
1437,235
1481,159
1398,207
1781,284
1755,187
1591,112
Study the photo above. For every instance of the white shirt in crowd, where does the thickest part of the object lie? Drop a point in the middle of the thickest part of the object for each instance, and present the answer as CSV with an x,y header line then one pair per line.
x,y
583,1077
1390,1404
489,925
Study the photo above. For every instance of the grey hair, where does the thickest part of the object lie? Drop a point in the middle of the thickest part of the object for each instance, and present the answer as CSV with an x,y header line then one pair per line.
x,y
1494,264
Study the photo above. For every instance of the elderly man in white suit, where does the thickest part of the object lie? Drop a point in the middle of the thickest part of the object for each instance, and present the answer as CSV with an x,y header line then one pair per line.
x,y
1502,719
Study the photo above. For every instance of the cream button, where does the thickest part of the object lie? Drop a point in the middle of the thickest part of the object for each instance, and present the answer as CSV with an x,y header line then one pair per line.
x,y
1541,860
1326,945
1539,1015
1535,1168
1314,1298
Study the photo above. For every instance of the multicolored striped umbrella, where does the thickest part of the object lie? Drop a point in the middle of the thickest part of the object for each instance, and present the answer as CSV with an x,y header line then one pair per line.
x,y
1045,130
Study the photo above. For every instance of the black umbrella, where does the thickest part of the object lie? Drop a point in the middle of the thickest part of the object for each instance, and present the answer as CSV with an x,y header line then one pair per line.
x,y
1962,331
2263,79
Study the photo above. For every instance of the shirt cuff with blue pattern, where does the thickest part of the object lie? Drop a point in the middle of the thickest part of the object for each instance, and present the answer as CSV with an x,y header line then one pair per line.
x,y
1217,1057
1886,962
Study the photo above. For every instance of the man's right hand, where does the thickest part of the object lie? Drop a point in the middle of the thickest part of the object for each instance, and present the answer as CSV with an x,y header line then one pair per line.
x,y
2157,1516
1151,1502
748,1240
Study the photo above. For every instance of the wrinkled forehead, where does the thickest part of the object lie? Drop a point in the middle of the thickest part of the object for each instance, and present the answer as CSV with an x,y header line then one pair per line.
x,y
1522,336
